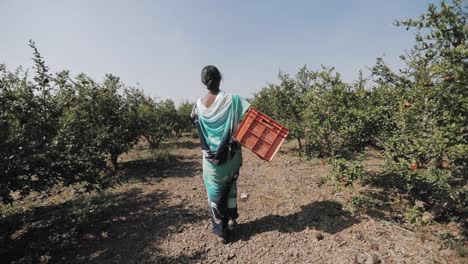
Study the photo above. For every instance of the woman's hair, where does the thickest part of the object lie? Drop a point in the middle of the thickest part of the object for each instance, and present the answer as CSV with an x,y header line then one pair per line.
x,y
211,77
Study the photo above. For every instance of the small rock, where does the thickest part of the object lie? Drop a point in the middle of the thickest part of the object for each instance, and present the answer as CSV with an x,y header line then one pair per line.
x,y
359,237
89,236
373,259
44,259
244,196
231,255
318,236
17,234
361,258
445,252
338,238
194,188
104,235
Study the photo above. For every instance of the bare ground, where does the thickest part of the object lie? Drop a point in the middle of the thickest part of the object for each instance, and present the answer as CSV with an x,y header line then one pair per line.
x,y
159,215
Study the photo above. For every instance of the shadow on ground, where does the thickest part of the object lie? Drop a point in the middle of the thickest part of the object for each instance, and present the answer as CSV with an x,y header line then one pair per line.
x,y
390,193
326,216
151,169
108,228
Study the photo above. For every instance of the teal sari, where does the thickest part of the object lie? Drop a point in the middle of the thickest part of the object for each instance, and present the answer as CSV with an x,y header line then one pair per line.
x,y
222,158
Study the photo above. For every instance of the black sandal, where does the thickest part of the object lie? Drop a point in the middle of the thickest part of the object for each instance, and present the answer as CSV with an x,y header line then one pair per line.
x,y
224,238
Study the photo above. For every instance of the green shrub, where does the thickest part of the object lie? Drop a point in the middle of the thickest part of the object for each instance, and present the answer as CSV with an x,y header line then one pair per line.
x,y
159,120
285,101
184,120
336,120
417,116
28,124
346,172
425,142
57,129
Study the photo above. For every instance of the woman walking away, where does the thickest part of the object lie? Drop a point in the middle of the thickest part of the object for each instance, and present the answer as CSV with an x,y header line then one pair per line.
x,y
216,117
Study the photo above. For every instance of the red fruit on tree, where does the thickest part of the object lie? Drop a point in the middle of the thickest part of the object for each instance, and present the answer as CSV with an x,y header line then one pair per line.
x,y
449,78
445,164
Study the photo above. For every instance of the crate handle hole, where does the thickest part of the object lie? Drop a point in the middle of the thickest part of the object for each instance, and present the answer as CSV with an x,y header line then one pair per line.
x,y
266,123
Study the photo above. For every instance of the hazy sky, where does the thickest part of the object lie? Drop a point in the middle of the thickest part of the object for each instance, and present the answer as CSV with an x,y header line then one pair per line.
x,y
163,45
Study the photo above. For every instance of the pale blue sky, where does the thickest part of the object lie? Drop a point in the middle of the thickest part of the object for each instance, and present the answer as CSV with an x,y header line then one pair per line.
x,y
163,45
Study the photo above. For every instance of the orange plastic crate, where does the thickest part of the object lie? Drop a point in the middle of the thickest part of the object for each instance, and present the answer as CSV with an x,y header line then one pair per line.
x,y
261,134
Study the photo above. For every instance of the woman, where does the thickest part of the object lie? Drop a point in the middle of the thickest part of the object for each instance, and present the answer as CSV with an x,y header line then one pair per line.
x,y
216,117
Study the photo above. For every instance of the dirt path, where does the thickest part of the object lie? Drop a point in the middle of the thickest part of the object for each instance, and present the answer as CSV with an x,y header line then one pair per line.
x,y
161,216
280,220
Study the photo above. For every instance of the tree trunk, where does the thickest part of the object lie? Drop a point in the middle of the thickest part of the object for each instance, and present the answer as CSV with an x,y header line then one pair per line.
x,y
115,164
152,144
299,142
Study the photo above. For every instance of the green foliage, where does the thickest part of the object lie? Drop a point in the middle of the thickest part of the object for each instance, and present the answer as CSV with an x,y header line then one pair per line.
x,y
337,119
318,106
57,129
28,123
452,242
346,172
440,189
367,201
427,146
159,120
184,121
382,103
54,128
99,120
413,214
118,117
417,115
78,137
285,101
